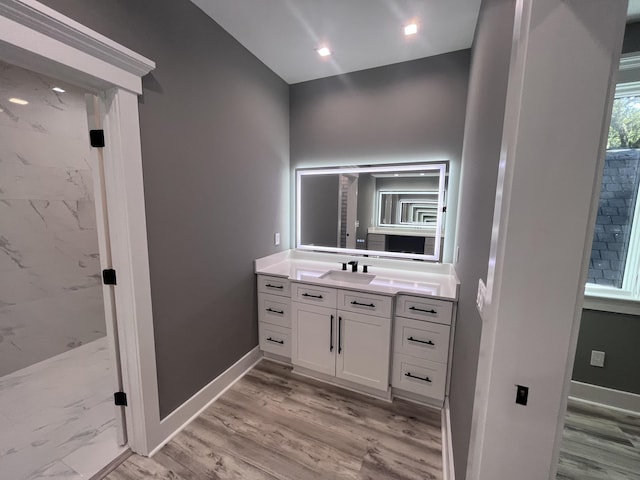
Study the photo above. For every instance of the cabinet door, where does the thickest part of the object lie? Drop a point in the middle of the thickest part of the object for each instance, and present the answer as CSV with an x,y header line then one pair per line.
x,y
313,331
364,344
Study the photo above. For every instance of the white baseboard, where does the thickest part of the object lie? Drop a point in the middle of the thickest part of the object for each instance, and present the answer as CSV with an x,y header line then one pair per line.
x,y
448,470
608,397
188,411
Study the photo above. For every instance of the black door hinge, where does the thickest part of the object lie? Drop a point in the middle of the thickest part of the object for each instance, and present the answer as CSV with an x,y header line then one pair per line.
x,y
109,276
120,399
96,137
444,209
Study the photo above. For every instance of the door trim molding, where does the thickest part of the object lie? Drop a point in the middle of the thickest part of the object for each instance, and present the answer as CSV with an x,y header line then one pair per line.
x,y
46,28
448,468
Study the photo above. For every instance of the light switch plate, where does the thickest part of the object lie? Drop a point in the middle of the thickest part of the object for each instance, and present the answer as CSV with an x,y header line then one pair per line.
x,y
276,239
597,358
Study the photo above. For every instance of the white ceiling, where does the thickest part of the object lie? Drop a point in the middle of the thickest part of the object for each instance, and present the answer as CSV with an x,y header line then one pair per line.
x,y
361,33
284,34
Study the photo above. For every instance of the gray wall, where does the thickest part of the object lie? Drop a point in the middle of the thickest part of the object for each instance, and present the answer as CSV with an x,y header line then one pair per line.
x,y
617,335
215,140
482,141
319,210
411,111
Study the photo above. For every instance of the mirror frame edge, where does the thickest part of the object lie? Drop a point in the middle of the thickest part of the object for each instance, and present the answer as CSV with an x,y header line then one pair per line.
x,y
438,165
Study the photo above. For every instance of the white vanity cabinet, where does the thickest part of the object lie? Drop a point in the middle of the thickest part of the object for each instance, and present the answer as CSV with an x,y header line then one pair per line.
x,y
387,332
421,346
274,315
342,333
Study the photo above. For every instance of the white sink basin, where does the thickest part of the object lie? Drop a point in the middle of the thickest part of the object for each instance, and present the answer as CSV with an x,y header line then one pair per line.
x,y
349,277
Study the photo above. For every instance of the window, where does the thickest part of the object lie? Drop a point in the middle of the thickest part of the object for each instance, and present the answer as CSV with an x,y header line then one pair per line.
x,y
615,254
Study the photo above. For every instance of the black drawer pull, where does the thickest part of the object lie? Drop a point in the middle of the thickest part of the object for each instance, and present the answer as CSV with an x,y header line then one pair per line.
x,y
410,375
421,310
279,312
312,296
371,305
281,342
428,342
274,286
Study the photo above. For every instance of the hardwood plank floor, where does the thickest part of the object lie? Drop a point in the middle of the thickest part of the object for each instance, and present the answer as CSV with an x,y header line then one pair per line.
x,y
599,444
273,424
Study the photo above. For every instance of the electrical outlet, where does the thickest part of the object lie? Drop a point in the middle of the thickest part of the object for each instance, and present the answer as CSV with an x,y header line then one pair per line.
x,y
276,239
482,291
597,358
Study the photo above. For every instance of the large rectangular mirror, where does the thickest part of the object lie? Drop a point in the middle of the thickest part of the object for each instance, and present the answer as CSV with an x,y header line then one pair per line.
x,y
387,210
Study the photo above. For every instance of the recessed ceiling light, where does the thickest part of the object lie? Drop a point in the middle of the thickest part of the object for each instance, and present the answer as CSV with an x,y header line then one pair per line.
x,y
58,89
18,101
323,51
411,29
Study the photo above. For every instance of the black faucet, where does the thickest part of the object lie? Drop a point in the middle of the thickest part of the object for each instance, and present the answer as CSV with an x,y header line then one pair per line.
x,y
354,265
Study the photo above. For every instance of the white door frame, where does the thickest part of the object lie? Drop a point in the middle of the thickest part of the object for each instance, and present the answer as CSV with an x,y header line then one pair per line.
x,y
38,38
542,230
94,120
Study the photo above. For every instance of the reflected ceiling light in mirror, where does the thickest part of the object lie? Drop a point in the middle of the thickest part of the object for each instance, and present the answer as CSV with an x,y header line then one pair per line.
x,y
58,89
18,101
323,51
411,29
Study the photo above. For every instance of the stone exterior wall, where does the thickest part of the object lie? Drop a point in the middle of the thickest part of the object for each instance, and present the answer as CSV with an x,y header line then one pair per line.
x,y
615,214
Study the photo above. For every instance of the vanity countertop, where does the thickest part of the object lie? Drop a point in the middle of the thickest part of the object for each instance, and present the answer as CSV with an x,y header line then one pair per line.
x,y
392,276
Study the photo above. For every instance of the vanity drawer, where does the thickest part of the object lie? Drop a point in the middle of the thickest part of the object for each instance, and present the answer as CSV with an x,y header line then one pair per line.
x,y
274,309
420,339
419,376
275,339
366,303
424,309
314,295
275,285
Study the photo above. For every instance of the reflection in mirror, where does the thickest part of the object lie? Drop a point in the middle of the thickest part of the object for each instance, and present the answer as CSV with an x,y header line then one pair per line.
x,y
391,210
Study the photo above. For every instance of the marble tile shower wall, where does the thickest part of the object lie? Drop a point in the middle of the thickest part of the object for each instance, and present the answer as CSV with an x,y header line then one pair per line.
x,y
50,293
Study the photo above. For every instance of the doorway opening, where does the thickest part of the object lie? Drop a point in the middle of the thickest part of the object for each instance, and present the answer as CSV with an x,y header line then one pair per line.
x,y
601,435
59,364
